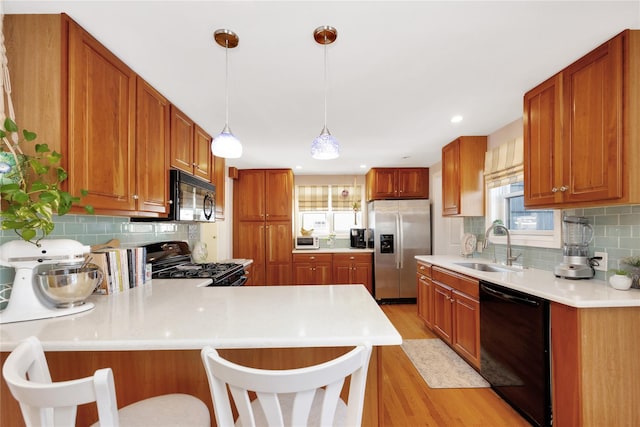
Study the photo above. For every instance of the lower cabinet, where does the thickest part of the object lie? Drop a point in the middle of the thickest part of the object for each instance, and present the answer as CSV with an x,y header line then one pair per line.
x,y
425,294
333,268
450,306
313,269
353,269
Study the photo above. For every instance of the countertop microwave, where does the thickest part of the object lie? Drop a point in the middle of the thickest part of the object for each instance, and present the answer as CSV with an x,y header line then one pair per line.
x,y
307,242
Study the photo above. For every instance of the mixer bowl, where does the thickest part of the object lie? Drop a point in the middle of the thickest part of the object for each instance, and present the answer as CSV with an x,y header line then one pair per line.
x,y
69,286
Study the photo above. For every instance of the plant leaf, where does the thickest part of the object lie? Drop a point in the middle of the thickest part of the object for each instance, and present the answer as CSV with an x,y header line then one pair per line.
x,y
10,125
28,234
29,136
42,148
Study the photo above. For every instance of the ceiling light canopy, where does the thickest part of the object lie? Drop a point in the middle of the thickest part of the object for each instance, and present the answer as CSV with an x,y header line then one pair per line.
x,y
325,146
225,144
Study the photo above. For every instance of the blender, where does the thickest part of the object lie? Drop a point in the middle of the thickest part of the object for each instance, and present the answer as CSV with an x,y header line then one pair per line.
x,y
577,233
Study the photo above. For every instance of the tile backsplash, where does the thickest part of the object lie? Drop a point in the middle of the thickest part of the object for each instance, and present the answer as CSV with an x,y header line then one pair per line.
x,y
96,229
616,232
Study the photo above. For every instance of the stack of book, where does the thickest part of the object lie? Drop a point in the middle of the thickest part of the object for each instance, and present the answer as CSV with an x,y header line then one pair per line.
x,y
123,268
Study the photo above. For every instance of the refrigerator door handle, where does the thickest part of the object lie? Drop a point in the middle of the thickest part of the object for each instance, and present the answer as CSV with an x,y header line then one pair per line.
x,y
398,243
401,241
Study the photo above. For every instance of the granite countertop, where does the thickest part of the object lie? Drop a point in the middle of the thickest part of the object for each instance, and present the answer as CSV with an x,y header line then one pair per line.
x,y
181,314
575,293
333,251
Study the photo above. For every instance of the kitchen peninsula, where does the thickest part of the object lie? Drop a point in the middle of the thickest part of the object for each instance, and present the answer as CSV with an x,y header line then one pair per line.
x,y
594,340
151,336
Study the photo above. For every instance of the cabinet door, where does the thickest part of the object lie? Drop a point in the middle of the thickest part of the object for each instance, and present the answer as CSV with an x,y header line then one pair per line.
x,y
451,178
341,272
279,188
425,300
361,274
202,157
102,99
278,252
219,179
413,183
152,149
384,183
303,273
466,324
182,131
249,192
543,143
249,242
442,311
323,273
592,131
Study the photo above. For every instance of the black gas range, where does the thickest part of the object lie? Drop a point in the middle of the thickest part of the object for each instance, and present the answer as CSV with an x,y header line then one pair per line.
x,y
172,260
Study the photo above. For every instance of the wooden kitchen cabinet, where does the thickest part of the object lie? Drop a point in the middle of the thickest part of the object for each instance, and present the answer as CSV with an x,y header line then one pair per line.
x,y
312,269
463,176
397,183
581,130
219,180
190,146
110,126
353,269
456,312
262,223
425,293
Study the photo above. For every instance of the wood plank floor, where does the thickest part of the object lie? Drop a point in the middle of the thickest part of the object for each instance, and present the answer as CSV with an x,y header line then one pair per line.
x,y
408,400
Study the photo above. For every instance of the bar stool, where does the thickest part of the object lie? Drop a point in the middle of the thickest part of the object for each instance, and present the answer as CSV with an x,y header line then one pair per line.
x,y
46,403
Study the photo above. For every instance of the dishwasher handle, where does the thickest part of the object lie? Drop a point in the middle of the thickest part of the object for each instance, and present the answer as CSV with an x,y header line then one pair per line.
x,y
509,297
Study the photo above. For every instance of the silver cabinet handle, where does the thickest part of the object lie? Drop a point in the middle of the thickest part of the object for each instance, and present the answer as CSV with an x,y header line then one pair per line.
x,y
554,190
564,188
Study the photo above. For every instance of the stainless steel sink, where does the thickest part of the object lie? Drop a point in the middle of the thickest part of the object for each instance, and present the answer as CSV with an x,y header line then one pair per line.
x,y
490,268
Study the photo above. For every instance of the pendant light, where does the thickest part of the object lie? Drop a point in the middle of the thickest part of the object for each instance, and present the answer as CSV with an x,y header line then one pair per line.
x,y
226,144
325,146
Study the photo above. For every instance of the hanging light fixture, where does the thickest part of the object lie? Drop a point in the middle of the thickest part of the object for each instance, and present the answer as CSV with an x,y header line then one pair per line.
x,y
226,144
325,146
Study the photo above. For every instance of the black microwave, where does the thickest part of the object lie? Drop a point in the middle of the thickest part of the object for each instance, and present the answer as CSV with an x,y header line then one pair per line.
x,y
191,199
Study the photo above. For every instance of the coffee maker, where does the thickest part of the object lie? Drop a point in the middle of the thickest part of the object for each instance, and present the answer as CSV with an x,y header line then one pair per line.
x,y
358,239
577,233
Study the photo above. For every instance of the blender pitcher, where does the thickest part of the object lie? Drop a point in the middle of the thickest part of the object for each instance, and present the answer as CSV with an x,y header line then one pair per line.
x,y
577,233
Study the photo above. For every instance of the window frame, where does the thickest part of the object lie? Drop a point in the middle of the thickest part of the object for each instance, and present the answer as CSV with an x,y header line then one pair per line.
x,y
329,214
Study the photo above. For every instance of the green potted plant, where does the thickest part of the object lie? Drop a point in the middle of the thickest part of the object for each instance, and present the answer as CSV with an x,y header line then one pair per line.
x,y
30,185
632,264
620,279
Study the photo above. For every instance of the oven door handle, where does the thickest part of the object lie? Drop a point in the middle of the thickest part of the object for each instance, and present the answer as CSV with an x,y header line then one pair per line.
x,y
508,297
241,281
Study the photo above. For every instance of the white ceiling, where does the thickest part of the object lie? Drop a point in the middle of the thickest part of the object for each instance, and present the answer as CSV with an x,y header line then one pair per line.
x,y
396,74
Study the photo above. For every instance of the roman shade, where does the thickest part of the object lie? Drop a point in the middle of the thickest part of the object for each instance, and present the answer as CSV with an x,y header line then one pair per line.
x,y
345,197
313,198
504,165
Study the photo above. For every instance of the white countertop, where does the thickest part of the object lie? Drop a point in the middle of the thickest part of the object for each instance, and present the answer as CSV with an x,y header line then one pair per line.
x,y
575,293
175,314
333,251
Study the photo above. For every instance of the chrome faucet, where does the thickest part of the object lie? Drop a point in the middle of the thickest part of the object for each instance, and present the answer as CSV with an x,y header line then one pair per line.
x,y
510,258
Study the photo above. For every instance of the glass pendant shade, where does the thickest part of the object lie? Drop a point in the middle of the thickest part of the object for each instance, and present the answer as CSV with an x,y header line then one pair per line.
x,y
325,146
226,145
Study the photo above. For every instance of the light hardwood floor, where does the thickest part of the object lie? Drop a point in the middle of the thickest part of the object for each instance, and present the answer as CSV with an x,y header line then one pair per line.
x,y
408,401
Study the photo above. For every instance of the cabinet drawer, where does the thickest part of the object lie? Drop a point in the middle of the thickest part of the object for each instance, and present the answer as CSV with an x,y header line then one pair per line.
x,y
311,257
465,284
424,269
361,257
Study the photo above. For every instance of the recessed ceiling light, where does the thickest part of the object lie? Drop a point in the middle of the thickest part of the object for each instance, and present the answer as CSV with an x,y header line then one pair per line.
x,y
298,167
456,119
363,166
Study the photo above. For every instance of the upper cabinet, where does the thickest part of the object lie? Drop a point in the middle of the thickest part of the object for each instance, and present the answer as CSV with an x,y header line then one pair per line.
x,y
190,146
581,130
397,183
462,176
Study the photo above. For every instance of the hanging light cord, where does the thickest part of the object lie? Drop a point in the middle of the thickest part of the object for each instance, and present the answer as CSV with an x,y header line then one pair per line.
x,y
226,82
325,81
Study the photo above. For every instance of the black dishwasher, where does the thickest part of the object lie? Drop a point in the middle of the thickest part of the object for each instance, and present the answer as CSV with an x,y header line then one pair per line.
x,y
514,350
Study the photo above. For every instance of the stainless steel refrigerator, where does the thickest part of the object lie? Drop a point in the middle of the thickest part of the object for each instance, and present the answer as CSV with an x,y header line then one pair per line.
x,y
401,230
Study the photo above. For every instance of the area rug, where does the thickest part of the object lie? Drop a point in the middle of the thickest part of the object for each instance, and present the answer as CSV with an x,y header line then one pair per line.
x,y
440,366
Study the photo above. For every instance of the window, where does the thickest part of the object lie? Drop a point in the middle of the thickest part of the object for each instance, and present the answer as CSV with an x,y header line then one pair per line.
x,y
329,209
504,180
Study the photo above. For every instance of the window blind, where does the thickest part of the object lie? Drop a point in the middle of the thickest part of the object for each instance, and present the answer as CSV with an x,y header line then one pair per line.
x,y
504,164
313,198
343,197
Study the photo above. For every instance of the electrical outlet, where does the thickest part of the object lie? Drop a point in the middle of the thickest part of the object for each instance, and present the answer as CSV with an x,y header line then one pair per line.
x,y
603,262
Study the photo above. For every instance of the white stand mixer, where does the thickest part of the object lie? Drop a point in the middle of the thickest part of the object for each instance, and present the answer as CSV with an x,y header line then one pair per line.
x,y
25,303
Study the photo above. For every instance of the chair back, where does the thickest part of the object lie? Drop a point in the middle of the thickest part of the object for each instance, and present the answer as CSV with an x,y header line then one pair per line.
x,y
293,397
45,403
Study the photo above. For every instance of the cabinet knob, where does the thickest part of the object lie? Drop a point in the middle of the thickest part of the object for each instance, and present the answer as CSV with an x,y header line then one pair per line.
x,y
564,188
135,197
554,190
312,257
352,257
423,277
422,267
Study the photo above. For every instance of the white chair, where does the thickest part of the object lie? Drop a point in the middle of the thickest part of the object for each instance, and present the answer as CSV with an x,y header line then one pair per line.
x,y
307,396
46,403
